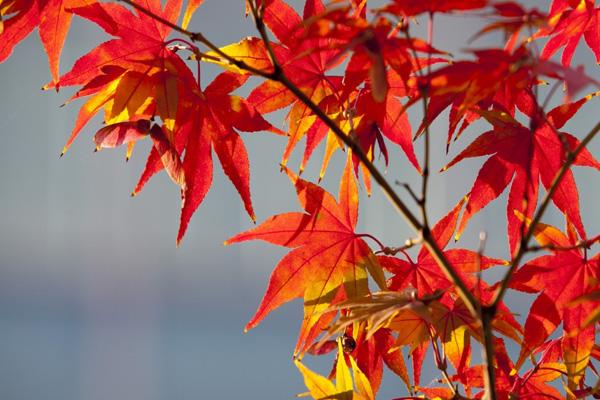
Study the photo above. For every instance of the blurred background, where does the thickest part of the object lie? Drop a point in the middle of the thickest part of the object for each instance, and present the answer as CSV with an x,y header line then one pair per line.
x,y
97,303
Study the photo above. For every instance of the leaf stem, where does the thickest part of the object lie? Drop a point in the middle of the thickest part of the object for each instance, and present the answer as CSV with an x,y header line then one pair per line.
x,y
373,238
412,194
583,244
441,364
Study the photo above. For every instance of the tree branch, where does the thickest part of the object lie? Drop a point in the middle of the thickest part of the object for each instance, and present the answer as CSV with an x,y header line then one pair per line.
x,y
279,76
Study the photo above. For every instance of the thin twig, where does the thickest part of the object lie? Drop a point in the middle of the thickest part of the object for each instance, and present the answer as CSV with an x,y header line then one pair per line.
x,y
487,328
441,363
426,142
424,91
480,251
409,190
260,26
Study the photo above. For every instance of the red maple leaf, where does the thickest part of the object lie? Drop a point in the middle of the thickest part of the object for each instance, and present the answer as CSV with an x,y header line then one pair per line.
x,y
380,63
559,278
570,21
306,58
326,253
304,67
513,19
528,155
424,274
408,8
213,121
52,17
134,76
209,122
532,383
497,80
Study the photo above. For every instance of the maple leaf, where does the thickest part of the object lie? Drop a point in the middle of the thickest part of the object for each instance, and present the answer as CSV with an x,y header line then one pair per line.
x,y
305,68
326,253
514,18
559,279
374,45
569,22
371,352
424,274
509,383
322,388
210,122
52,17
496,81
528,155
408,8
133,77
214,120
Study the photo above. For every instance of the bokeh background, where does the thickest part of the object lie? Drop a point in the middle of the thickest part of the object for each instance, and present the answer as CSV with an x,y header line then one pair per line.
x,y
97,303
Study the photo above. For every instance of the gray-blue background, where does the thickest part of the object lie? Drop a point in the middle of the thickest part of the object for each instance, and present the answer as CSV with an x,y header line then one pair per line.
x,y
97,303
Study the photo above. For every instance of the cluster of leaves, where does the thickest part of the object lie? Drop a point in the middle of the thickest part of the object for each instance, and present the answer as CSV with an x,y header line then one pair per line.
x,y
347,74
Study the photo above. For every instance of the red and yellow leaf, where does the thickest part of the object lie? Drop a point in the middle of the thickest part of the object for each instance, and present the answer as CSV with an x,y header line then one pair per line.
x,y
326,252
